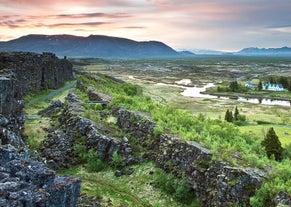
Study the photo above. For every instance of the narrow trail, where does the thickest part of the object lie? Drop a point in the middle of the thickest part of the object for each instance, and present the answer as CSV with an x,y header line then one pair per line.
x,y
54,93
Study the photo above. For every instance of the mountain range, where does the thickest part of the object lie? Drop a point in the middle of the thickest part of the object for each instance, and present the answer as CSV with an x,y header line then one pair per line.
x,y
91,46
283,51
99,46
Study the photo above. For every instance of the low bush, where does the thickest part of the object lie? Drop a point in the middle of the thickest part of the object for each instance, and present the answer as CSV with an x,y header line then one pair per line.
x,y
180,189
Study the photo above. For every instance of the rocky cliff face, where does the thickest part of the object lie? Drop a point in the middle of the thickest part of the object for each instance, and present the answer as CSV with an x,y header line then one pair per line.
x,y
24,181
215,183
21,73
24,72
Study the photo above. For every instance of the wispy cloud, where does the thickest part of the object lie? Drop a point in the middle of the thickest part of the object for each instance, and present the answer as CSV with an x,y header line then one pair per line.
x,y
13,23
134,27
73,24
94,15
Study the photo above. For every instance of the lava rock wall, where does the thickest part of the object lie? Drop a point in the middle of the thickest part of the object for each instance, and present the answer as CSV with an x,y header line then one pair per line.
x,y
22,72
214,183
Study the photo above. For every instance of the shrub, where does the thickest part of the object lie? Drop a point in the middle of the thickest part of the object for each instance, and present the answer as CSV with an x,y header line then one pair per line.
x,y
94,164
131,90
116,160
178,188
287,152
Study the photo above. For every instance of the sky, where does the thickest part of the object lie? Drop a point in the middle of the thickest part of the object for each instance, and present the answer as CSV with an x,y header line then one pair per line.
x,y
226,25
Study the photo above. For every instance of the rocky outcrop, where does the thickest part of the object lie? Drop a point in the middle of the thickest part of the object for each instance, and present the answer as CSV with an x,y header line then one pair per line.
x,y
214,183
10,130
134,123
24,72
54,107
282,199
21,73
59,147
24,182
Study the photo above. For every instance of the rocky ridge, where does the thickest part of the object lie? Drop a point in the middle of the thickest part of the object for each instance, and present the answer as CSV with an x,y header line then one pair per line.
x,y
24,180
58,148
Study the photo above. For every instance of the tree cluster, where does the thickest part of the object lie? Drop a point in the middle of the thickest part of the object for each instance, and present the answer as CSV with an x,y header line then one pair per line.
x,y
234,86
235,117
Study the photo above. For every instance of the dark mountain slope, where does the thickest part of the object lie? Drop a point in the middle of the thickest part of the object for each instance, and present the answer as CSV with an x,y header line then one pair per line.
x,y
91,46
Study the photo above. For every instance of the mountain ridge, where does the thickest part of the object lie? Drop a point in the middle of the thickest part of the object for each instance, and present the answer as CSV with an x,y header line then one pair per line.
x,y
282,51
91,46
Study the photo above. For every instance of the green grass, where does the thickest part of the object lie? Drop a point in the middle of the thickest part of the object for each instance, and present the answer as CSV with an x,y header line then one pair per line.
x,y
225,140
36,134
137,189
35,128
259,131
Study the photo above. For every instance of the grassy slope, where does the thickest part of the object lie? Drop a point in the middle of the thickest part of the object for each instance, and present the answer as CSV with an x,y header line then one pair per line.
x,y
137,189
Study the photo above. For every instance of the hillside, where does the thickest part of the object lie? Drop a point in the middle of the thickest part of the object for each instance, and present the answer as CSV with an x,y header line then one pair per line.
x,y
91,46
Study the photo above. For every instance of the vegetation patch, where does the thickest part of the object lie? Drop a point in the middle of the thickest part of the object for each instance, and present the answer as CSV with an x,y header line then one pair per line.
x,y
224,139
141,188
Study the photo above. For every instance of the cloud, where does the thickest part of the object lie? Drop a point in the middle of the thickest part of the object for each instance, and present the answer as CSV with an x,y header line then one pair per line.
x,y
72,24
13,23
94,15
160,3
134,27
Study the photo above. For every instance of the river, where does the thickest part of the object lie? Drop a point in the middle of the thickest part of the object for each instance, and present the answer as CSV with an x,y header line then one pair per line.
x,y
196,91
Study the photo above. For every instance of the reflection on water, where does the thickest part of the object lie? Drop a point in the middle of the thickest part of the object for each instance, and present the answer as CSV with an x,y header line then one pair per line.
x,y
265,101
196,92
184,82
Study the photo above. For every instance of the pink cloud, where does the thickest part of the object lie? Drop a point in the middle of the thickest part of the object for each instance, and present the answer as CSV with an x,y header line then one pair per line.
x,y
160,3
94,15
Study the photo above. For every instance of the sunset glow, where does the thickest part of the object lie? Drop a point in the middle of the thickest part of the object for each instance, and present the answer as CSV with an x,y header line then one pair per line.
x,y
182,24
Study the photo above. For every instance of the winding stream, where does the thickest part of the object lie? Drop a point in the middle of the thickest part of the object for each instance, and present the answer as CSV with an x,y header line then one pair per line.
x,y
196,92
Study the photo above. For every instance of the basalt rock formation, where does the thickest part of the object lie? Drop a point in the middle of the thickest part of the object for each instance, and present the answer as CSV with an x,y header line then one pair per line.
x,y
59,147
21,73
24,72
23,180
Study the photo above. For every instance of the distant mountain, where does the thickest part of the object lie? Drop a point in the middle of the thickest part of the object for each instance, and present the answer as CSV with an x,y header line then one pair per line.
x,y
207,52
186,53
91,46
283,51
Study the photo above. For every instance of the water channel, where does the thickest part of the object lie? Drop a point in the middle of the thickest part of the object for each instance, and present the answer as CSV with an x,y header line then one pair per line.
x,y
197,93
